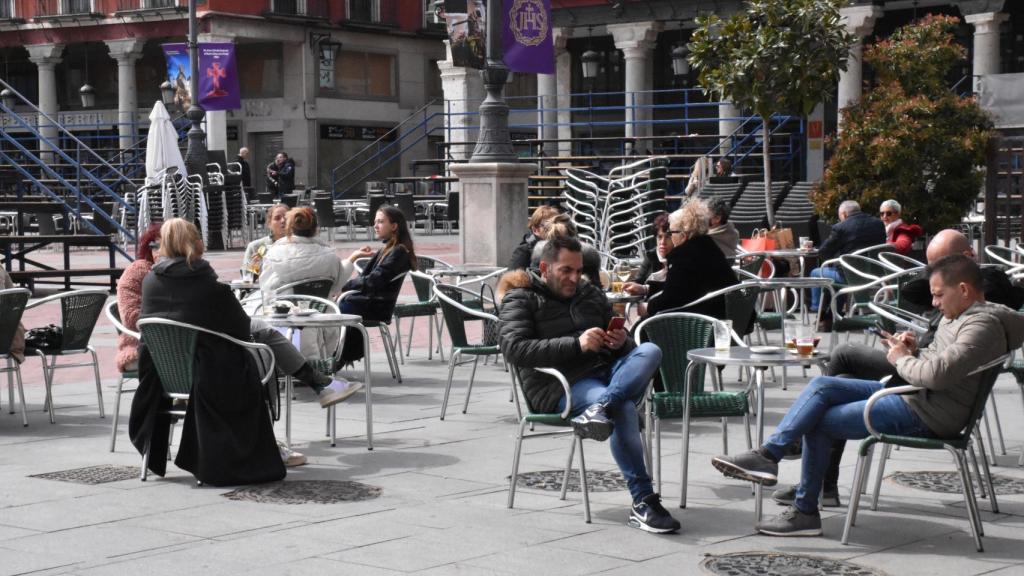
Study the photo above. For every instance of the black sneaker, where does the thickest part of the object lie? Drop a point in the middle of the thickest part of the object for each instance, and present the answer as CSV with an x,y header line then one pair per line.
x,y
650,516
750,466
792,522
593,423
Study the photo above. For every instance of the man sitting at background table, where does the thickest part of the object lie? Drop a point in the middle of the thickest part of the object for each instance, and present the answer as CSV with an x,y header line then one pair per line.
x,y
856,230
971,334
852,360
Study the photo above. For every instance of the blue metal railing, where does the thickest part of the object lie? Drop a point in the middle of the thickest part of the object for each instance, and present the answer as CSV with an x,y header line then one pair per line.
x,y
686,111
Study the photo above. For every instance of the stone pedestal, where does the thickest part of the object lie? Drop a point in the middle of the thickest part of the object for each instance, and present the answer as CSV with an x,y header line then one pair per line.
x,y
492,210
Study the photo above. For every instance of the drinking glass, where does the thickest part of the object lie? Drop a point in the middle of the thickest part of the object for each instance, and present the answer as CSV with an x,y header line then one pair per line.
x,y
268,298
723,335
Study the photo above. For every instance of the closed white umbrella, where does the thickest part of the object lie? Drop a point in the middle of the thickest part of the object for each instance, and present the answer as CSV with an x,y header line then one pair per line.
x,y
162,145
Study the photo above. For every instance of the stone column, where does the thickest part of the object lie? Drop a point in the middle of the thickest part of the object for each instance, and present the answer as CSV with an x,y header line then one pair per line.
x,y
728,122
859,21
46,57
547,117
463,92
986,43
563,87
636,40
493,210
126,52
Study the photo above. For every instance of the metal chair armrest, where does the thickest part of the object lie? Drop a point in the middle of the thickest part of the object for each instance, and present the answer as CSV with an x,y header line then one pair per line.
x,y
878,396
565,386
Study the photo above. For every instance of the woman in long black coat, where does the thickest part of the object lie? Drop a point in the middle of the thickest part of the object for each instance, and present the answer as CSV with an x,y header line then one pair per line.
x,y
696,265
227,437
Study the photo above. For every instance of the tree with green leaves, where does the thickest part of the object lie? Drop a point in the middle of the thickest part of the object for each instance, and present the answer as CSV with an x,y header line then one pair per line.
x,y
911,138
773,57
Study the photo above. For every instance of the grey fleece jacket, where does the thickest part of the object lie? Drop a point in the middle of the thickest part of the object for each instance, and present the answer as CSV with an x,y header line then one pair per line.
x,y
979,335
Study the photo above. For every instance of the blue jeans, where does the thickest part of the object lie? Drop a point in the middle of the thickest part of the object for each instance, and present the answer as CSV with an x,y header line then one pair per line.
x,y
622,389
829,409
826,272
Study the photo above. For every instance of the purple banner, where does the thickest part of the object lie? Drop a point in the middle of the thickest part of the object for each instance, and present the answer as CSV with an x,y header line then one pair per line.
x,y
527,36
218,76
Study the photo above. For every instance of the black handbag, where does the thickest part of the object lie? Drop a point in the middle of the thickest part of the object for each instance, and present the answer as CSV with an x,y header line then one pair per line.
x,y
46,337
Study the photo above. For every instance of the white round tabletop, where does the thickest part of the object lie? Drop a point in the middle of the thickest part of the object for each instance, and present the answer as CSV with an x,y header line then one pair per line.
x,y
741,356
318,320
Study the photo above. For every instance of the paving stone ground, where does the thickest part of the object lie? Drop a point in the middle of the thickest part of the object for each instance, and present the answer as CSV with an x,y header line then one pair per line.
x,y
443,488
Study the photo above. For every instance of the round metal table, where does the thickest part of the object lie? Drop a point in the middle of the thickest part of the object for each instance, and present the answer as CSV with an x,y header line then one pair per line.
x,y
623,298
744,357
321,320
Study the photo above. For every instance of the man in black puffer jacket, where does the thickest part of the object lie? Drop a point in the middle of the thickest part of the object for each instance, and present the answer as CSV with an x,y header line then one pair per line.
x,y
557,321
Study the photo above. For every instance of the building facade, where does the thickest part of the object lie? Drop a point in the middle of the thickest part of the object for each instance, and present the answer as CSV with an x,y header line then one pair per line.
x,y
320,79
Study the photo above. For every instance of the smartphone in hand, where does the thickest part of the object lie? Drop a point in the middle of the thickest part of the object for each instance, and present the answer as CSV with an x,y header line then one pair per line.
x,y
877,331
617,323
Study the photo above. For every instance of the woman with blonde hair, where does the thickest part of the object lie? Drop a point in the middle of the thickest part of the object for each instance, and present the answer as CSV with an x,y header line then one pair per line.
x,y
227,437
696,266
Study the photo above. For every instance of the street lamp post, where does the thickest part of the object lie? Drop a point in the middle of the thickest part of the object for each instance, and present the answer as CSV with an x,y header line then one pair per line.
x,y
195,156
493,143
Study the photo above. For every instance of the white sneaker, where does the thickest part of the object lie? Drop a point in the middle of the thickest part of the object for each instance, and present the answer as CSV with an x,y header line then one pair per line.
x,y
290,457
337,391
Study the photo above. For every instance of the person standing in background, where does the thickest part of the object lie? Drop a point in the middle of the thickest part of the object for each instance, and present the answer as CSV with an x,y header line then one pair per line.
x,y
243,161
281,175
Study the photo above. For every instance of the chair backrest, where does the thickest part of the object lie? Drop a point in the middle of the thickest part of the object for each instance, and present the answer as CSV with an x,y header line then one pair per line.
x,y
455,314
423,283
324,212
114,316
80,309
375,201
405,204
12,302
319,287
739,307
676,333
265,197
290,200
172,346
989,373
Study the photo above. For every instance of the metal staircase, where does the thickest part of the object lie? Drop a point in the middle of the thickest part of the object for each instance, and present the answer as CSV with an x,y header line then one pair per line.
x,y
67,170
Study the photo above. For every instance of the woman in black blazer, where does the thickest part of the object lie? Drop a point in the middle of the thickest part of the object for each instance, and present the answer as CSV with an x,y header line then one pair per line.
x,y
377,287
696,266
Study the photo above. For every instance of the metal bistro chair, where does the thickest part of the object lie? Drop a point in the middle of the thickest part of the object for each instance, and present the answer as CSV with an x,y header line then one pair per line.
x,y
958,446
676,333
556,419
80,309
12,302
456,315
319,287
114,316
425,305
390,345
172,346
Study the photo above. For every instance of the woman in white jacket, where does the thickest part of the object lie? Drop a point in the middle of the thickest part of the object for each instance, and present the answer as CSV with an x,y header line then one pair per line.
x,y
300,256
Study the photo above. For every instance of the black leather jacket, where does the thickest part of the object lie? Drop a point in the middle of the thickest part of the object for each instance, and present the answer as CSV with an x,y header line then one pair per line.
x,y
539,329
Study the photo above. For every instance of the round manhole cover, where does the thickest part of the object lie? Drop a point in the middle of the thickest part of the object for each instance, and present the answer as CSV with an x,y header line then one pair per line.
x,y
949,482
771,564
597,480
306,492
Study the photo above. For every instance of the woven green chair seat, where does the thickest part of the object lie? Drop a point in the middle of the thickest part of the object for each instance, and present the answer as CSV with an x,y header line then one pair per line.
x,y
960,443
855,323
479,350
772,320
553,419
702,404
415,309
130,375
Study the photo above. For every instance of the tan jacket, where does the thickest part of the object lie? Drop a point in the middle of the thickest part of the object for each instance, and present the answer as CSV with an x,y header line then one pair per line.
x,y
979,335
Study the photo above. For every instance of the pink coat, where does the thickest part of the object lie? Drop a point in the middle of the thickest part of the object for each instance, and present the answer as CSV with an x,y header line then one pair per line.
x,y
129,305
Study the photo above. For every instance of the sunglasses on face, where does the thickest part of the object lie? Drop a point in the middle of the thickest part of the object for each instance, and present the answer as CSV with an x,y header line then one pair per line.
x,y
886,213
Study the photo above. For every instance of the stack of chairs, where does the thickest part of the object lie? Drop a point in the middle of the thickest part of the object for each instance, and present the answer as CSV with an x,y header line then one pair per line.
x,y
797,212
613,213
749,211
730,192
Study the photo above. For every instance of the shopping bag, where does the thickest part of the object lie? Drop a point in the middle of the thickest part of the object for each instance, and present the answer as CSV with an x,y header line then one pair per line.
x,y
783,238
759,241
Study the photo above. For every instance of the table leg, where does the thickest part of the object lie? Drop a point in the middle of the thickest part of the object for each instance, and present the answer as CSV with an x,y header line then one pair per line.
x,y
288,391
780,301
759,385
367,387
